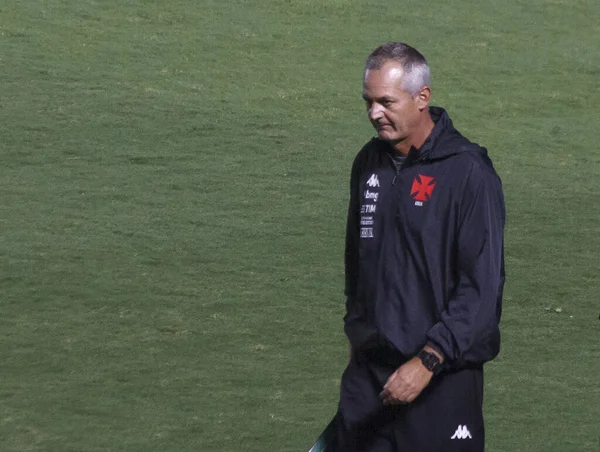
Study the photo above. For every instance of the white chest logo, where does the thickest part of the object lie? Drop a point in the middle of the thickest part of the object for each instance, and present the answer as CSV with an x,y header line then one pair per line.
x,y
373,181
462,432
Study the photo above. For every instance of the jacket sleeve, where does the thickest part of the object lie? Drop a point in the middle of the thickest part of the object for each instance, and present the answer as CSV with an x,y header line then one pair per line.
x,y
352,238
468,329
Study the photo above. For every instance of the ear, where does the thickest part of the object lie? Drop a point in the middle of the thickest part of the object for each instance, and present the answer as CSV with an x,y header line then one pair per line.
x,y
423,98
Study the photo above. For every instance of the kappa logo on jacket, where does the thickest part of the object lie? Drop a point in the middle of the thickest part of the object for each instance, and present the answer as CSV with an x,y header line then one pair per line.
x,y
422,189
373,181
462,432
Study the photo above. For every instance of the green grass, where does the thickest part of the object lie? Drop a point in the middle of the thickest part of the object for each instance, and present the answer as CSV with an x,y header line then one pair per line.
x,y
173,191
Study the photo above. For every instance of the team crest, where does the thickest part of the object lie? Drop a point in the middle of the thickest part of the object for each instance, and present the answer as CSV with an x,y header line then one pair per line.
x,y
422,189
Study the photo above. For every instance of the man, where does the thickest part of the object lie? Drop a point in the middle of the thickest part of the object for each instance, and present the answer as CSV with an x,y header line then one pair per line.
x,y
424,271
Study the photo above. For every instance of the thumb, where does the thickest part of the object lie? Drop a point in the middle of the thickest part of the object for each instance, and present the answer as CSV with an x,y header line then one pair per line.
x,y
390,381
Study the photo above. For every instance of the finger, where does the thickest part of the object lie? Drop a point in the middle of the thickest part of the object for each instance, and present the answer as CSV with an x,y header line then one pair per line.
x,y
394,401
392,397
389,401
393,387
391,379
391,384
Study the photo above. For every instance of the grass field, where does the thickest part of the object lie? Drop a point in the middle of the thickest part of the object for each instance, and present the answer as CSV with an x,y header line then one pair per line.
x,y
173,190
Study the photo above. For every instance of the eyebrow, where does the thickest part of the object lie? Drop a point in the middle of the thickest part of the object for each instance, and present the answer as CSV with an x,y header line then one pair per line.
x,y
380,99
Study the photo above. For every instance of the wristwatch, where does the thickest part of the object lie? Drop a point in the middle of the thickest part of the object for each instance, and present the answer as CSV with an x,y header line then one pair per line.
x,y
430,361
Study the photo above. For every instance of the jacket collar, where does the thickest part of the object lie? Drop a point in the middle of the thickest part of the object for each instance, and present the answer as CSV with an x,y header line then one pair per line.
x,y
429,150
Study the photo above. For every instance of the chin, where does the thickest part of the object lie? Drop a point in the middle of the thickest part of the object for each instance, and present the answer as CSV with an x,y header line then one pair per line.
x,y
386,136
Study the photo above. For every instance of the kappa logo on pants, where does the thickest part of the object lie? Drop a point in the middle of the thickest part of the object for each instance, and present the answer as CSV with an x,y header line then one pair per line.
x,y
462,432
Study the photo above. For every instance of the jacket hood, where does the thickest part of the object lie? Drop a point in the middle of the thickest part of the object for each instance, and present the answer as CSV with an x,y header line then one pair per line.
x,y
444,140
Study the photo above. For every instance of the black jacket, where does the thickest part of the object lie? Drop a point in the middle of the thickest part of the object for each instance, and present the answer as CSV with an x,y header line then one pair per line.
x,y
424,249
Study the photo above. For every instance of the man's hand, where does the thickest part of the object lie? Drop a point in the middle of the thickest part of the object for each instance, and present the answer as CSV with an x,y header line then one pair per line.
x,y
406,383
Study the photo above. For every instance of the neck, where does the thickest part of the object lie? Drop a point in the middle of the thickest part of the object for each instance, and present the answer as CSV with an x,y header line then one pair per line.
x,y
417,138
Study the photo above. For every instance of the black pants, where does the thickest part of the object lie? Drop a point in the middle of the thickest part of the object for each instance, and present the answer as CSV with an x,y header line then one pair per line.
x,y
446,417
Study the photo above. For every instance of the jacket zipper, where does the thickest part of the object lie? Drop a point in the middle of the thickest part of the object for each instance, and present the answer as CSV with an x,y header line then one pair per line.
x,y
396,167
395,176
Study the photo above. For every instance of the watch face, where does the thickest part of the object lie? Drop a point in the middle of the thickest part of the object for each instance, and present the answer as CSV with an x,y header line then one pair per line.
x,y
430,361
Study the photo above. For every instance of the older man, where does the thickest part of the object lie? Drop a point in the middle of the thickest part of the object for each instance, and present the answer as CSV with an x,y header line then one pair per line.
x,y
424,271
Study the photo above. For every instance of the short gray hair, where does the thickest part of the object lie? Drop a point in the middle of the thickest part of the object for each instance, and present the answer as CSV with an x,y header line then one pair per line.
x,y
416,72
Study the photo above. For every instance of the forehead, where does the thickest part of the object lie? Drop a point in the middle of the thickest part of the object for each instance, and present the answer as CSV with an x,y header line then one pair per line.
x,y
386,80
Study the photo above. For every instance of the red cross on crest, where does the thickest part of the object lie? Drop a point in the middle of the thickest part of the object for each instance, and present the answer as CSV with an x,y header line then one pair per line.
x,y
422,188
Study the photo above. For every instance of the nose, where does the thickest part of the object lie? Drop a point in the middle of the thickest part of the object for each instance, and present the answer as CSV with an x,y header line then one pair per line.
x,y
375,111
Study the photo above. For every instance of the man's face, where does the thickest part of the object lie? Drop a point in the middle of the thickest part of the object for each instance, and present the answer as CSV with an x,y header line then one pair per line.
x,y
394,113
